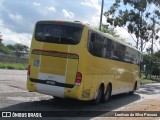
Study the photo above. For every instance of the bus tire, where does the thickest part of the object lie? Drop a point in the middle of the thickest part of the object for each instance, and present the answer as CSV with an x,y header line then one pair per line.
x,y
132,92
98,97
107,94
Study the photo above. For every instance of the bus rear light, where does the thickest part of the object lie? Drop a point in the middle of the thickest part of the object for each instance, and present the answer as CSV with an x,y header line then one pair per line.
x,y
68,90
29,70
59,22
78,78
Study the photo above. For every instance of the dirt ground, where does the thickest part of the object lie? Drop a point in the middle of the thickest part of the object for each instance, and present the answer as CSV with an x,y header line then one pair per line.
x,y
147,105
150,101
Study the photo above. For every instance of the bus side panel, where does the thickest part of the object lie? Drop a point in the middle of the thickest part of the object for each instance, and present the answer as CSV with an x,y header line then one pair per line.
x,y
97,71
124,73
100,70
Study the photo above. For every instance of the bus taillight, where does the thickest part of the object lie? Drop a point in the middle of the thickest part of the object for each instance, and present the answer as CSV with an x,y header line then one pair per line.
x,y
29,70
59,22
78,78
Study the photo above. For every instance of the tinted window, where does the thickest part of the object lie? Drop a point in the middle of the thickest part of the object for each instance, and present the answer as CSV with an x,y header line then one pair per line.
x,y
129,55
118,51
96,44
101,46
64,33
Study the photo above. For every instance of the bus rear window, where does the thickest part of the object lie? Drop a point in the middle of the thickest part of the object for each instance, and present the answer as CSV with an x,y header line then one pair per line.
x,y
61,33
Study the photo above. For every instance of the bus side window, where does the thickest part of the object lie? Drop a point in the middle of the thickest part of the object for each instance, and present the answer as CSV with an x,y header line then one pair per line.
x,y
122,54
114,51
128,57
92,38
96,45
104,48
91,42
109,48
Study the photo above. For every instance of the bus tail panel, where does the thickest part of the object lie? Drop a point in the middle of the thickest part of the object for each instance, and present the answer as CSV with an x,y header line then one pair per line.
x,y
53,71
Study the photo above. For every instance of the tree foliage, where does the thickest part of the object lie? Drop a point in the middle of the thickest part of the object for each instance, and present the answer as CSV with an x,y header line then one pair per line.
x,y
19,49
157,54
152,64
1,39
4,49
106,29
137,17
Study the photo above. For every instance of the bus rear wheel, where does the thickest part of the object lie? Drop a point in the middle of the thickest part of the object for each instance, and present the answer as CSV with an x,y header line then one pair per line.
x,y
132,92
106,96
98,96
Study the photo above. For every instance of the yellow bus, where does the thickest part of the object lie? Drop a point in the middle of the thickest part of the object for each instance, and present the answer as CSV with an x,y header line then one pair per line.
x,y
74,60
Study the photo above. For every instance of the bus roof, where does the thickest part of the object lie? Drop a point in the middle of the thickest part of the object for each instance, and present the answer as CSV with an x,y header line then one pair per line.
x,y
62,21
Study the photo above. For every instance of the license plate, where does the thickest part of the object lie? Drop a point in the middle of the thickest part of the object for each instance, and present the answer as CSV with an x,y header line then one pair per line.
x,y
50,82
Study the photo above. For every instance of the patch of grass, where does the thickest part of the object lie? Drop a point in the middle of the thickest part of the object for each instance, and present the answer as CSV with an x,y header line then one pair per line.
x,y
15,66
145,81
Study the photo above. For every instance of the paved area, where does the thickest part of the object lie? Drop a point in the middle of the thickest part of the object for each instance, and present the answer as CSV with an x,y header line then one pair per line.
x,y
15,97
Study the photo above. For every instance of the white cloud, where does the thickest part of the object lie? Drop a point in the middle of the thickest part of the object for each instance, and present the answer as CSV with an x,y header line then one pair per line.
x,y
19,17
45,10
16,17
52,9
36,4
123,33
11,37
1,23
95,21
68,14
92,4
95,6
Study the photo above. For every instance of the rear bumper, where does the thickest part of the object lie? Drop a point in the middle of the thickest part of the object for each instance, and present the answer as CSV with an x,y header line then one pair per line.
x,y
53,83
58,89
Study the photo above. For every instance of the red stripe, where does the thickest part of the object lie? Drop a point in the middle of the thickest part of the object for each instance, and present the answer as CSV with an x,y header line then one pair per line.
x,y
54,52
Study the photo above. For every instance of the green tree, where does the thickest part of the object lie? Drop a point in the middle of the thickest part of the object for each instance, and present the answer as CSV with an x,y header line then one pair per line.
x,y
137,17
106,29
152,65
155,66
4,49
157,69
157,54
1,39
19,49
11,47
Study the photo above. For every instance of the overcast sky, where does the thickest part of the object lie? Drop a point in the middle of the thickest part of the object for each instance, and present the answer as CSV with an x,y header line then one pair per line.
x,y
18,17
